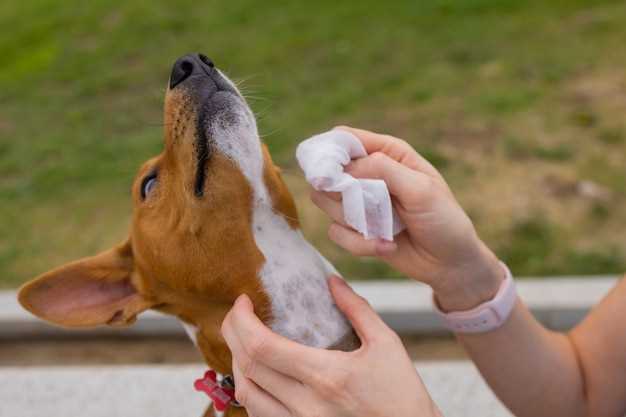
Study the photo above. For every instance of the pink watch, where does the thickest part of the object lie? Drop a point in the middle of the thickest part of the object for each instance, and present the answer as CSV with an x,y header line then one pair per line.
x,y
487,316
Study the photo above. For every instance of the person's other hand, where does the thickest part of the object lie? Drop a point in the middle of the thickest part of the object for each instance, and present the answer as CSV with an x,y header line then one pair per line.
x,y
440,246
275,377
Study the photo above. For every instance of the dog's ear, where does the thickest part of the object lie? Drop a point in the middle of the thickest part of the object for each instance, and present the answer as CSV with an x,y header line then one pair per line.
x,y
88,292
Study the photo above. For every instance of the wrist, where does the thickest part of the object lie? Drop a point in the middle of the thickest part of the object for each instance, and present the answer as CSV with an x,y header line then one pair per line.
x,y
471,284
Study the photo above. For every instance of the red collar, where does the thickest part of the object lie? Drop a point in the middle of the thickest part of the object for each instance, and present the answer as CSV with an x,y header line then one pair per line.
x,y
220,390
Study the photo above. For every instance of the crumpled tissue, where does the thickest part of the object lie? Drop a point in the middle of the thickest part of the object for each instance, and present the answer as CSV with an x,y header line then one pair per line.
x,y
366,203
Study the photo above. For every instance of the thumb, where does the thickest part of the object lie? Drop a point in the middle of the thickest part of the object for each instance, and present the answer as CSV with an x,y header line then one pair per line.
x,y
366,322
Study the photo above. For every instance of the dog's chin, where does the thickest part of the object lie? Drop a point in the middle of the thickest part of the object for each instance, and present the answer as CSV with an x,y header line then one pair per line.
x,y
226,111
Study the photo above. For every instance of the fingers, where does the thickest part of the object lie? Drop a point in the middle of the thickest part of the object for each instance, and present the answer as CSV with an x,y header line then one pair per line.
x,y
257,402
344,235
250,341
330,206
406,185
376,142
286,390
357,245
282,387
397,149
366,322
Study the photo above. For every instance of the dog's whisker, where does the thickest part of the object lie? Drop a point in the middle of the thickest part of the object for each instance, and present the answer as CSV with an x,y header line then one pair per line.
x,y
262,113
241,81
256,98
270,133
246,92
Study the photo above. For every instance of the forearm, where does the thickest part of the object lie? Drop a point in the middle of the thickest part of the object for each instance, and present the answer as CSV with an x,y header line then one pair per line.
x,y
534,372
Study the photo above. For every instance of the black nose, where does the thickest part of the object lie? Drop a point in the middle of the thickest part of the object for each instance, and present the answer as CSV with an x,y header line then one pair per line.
x,y
187,65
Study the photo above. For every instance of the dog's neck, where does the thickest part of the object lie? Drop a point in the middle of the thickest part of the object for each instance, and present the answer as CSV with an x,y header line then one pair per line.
x,y
293,275
294,278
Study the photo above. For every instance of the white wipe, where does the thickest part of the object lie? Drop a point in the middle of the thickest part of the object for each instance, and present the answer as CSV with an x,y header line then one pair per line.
x,y
366,203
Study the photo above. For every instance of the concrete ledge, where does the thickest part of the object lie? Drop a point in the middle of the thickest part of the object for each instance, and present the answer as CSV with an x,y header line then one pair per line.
x,y
559,303
166,391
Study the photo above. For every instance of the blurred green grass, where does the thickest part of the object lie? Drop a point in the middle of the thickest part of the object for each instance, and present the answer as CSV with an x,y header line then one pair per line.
x,y
516,102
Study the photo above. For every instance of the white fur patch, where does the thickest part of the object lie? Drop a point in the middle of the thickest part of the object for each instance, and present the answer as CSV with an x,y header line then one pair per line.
x,y
294,274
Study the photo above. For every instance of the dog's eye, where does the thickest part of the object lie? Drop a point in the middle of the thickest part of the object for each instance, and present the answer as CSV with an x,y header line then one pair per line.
x,y
148,184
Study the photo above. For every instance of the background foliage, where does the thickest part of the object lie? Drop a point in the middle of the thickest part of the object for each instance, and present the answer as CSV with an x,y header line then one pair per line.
x,y
520,104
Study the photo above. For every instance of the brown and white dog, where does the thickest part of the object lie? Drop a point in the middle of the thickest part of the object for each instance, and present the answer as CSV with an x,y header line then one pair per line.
x,y
212,219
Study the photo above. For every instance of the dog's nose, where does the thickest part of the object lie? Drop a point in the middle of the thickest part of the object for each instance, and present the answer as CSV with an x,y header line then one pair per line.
x,y
187,65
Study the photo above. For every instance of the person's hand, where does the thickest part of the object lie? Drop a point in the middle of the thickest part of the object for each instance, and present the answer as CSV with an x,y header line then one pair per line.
x,y
440,246
275,377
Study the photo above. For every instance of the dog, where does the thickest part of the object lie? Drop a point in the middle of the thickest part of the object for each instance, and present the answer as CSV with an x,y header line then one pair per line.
x,y
212,219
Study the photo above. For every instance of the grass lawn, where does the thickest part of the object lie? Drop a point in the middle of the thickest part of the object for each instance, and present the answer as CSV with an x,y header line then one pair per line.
x,y
521,104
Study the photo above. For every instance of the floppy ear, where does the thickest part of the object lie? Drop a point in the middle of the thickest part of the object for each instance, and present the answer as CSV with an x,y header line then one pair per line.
x,y
88,292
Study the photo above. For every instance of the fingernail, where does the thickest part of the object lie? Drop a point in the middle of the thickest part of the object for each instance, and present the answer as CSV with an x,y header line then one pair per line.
x,y
243,299
353,167
339,282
